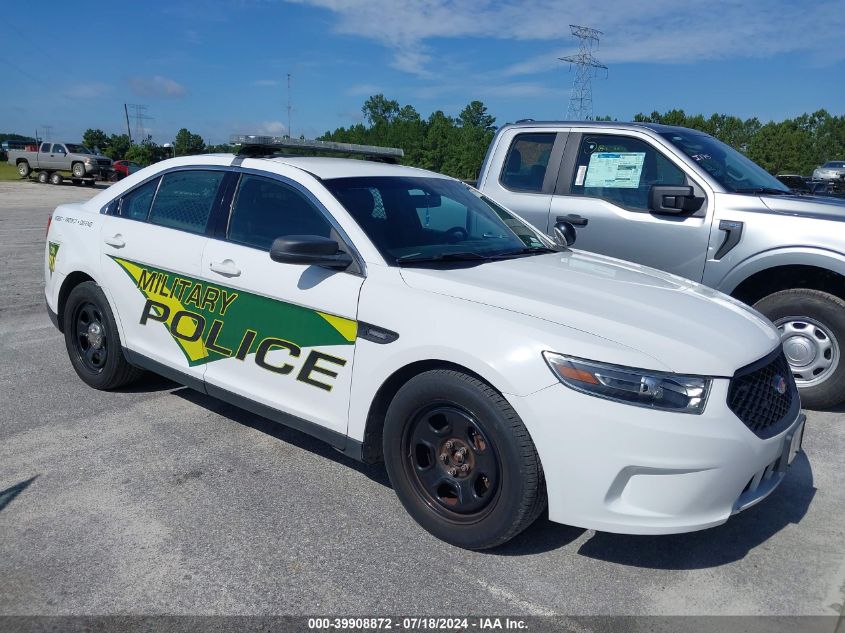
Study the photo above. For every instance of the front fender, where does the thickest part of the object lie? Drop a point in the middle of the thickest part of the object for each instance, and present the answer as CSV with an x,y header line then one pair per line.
x,y
776,257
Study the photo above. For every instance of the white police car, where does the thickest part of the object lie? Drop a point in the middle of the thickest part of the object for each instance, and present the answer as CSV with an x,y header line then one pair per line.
x,y
399,315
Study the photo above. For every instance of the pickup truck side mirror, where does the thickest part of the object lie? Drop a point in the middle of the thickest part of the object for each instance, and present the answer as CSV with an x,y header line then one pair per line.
x,y
312,250
673,199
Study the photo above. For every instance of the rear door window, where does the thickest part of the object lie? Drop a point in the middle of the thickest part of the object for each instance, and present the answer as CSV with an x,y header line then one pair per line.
x,y
527,162
135,205
185,199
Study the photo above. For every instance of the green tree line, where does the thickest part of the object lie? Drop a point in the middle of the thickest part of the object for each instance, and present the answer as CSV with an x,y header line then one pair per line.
x,y
457,145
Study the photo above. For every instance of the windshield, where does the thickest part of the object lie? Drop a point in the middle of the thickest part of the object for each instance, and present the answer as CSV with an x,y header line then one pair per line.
x,y
423,219
77,149
731,169
834,165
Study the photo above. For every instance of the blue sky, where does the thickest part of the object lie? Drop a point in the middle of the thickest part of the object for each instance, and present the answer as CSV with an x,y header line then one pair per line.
x,y
220,68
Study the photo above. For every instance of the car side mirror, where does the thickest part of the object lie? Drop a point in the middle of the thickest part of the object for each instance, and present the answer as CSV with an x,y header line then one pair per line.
x,y
564,233
673,199
312,250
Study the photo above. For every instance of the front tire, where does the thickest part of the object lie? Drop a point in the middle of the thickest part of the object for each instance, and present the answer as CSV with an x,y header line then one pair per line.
x,y
461,461
56,178
812,327
78,170
43,177
92,340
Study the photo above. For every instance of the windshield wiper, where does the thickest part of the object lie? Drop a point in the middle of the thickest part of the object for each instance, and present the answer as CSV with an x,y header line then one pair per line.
x,y
415,258
528,250
769,190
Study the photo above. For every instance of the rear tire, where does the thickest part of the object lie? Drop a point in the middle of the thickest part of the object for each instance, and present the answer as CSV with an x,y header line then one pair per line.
x,y
812,327
24,169
477,499
56,178
92,340
43,177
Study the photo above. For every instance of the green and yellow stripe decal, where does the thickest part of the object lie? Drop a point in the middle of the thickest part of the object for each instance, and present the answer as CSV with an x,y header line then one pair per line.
x,y
210,322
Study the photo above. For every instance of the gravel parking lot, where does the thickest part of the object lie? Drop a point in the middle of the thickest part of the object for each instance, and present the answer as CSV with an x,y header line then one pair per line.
x,y
161,500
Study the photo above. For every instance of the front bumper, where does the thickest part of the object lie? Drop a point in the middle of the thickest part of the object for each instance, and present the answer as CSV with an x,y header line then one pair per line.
x,y
97,170
617,468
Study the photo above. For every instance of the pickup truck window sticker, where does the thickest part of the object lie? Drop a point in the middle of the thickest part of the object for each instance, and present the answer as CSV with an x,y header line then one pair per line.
x,y
53,250
619,170
211,322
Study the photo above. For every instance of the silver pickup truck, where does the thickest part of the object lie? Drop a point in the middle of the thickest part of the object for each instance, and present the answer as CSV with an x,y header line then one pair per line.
x,y
682,201
52,158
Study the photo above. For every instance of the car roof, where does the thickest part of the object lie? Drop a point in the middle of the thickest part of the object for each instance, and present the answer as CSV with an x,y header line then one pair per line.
x,y
326,168
623,125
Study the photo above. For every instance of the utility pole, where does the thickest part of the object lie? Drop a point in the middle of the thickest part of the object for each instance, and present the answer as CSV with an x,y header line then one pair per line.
x,y
128,129
290,133
140,120
581,97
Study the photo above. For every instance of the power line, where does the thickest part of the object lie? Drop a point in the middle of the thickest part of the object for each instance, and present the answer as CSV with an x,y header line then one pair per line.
x,y
581,96
290,134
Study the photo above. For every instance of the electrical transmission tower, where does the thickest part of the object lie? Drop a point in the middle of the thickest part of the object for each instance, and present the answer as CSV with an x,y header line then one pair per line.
x,y
289,108
141,118
48,132
581,97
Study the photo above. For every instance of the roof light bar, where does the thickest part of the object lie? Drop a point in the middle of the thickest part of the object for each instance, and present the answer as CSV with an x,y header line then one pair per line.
x,y
253,145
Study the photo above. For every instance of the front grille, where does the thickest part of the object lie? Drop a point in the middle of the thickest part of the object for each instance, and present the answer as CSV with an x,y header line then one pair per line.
x,y
755,398
103,162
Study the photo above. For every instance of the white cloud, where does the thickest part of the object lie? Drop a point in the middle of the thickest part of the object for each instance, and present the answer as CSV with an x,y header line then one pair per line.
x,y
157,86
655,31
272,128
358,90
93,90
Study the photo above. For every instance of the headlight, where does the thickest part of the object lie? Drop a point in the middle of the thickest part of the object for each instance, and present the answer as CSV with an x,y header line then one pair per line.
x,y
90,161
639,387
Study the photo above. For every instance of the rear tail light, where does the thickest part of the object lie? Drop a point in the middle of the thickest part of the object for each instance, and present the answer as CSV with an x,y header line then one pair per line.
x,y
49,221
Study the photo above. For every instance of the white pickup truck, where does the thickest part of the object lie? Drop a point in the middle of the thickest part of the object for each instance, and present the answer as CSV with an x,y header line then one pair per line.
x,y
50,159
681,201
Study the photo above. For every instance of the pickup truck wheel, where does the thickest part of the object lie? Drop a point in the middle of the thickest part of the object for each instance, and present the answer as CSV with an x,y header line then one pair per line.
x,y
43,177
461,461
812,328
23,169
56,178
78,170
92,341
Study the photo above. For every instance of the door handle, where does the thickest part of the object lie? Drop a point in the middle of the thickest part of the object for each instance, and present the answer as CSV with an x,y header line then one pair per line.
x,y
574,219
115,240
226,268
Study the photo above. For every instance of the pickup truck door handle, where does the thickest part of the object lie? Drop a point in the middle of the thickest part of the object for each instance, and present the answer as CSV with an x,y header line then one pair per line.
x,y
226,268
733,233
115,241
574,219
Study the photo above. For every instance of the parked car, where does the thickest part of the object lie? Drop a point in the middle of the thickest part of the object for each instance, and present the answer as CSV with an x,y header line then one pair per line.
x,y
831,170
50,159
402,316
123,168
681,201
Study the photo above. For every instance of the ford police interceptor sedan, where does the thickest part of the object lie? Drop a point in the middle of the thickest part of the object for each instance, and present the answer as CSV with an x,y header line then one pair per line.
x,y
400,315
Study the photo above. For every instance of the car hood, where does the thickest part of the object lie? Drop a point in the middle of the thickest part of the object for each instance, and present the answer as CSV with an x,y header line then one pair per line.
x,y
818,207
685,326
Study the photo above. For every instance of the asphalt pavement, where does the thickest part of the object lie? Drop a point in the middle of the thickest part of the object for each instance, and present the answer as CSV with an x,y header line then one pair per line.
x,y
161,500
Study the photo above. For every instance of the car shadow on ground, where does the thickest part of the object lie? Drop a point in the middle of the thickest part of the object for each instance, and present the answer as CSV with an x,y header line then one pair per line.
x,y
8,495
299,439
695,550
